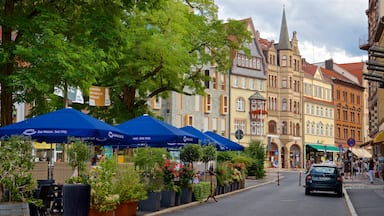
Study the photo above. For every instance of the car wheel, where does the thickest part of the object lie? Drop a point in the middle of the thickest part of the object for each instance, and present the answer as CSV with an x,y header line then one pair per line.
x,y
307,191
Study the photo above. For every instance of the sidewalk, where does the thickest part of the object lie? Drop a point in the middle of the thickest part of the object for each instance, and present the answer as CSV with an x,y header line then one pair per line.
x,y
364,197
249,184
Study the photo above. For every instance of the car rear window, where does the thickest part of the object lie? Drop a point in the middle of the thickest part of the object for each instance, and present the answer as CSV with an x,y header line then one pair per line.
x,y
329,170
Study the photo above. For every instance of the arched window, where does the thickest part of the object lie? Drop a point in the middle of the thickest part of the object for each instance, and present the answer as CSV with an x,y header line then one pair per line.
x,y
272,127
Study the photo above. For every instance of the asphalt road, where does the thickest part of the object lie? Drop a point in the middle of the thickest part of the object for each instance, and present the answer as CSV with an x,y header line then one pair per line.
x,y
286,199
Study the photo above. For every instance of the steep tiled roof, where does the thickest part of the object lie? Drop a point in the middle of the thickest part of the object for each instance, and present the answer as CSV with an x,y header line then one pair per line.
x,y
355,68
309,69
265,44
333,75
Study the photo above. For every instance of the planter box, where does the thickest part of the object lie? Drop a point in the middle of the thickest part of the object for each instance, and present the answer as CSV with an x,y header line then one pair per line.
x,y
76,199
168,198
127,208
186,195
152,203
94,212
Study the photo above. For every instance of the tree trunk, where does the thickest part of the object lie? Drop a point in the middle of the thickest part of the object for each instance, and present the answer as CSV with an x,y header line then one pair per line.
x,y
129,94
7,68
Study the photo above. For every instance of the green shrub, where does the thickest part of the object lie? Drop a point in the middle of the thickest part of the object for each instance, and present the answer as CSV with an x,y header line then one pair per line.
x,y
201,190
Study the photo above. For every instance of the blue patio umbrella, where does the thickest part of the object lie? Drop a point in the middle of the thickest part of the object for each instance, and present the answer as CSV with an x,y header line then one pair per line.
x,y
224,144
148,131
203,138
61,125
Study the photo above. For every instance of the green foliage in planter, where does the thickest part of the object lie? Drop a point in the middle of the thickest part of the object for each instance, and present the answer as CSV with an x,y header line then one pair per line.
x,y
16,163
101,181
79,153
256,152
190,153
128,185
225,156
201,190
186,175
241,160
148,161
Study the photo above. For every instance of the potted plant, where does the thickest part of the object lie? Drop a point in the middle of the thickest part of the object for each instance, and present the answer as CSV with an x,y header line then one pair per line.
x,y
148,161
188,154
76,190
103,200
185,181
168,194
15,176
131,190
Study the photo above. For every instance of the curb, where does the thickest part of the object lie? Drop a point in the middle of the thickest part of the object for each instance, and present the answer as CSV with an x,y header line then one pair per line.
x,y
188,205
350,206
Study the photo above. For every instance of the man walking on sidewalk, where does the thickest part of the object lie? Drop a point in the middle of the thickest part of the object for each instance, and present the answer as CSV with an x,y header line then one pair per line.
x,y
371,168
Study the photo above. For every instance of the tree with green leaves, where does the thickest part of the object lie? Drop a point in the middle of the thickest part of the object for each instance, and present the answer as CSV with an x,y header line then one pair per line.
x,y
256,152
190,153
164,50
139,49
209,153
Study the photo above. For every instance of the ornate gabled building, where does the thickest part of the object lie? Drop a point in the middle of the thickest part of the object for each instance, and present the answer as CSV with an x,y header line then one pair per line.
x,y
284,100
247,78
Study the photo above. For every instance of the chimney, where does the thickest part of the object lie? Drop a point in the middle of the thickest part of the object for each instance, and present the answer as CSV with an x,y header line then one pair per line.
x,y
329,64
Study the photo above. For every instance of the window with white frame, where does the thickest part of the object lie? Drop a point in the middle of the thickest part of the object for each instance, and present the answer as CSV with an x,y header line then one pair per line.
x,y
258,63
235,81
252,84
308,127
260,85
240,104
244,83
240,124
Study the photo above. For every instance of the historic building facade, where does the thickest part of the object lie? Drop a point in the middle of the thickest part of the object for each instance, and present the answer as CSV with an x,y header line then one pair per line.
x,y
248,77
208,112
318,115
284,100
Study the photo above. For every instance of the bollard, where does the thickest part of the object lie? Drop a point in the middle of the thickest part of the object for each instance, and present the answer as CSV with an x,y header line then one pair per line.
x,y
300,178
278,178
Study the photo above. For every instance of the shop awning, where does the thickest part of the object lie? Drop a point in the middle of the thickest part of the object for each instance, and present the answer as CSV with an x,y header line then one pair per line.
x,y
379,138
361,153
328,148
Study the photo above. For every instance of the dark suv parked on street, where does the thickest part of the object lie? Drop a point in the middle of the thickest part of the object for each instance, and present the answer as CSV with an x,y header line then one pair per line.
x,y
324,177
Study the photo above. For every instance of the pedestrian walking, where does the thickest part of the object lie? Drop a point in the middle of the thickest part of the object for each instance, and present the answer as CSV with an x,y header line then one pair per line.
x,y
371,169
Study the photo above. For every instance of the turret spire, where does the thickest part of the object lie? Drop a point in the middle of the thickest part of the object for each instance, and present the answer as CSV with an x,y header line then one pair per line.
x,y
284,43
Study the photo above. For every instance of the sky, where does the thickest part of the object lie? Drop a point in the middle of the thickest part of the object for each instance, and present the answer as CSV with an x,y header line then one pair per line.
x,y
325,28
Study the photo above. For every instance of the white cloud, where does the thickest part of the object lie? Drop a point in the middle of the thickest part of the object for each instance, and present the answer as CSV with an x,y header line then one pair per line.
x,y
325,29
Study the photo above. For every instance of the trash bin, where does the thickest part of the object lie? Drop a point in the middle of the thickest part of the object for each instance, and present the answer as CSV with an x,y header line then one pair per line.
x,y
76,199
